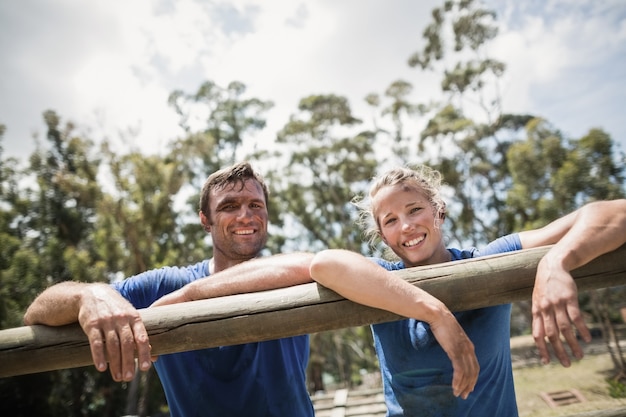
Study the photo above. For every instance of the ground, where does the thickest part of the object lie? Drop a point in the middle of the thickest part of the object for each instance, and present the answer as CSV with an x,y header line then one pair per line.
x,y
588,376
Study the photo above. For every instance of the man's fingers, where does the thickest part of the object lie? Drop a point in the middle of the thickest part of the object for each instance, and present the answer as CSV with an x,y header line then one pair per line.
x,y
96,345
119,346
127,350
114,354
142,345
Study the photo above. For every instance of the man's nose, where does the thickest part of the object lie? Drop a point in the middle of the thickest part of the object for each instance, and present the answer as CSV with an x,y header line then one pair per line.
x,y
244,214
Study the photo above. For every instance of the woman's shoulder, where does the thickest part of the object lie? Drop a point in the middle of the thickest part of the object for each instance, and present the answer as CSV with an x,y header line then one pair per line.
x,y
503,244
388,264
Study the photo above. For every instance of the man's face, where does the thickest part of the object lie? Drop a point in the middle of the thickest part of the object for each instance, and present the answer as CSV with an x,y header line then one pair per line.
x,y
238,221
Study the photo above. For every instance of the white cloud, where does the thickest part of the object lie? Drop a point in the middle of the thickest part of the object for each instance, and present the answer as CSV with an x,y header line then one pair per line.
x,y
566,63
112,64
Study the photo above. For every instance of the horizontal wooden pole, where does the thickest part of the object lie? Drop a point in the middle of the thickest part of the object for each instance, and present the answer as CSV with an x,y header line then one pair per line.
x,y
302,309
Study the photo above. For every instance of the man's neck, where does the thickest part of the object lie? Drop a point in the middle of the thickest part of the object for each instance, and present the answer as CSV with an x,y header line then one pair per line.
x,y
217,265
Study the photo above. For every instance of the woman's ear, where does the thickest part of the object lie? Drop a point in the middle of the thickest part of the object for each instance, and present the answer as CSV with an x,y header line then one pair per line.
x,y
440,217
382,237
205,222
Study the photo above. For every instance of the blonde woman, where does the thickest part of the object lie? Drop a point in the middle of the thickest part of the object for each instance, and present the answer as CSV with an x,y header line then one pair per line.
x,y
405,210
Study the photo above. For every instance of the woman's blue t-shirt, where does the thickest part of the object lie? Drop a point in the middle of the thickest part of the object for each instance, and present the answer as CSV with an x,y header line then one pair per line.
x,y
251,380
417,373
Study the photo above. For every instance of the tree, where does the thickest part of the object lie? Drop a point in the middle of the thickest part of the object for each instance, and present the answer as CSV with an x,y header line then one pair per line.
x,y
228,117
324,171
552,177
217,122
49,227
467,135
139,212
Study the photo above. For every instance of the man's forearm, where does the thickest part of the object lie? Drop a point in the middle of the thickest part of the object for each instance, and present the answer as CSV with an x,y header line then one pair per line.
x,y
59,304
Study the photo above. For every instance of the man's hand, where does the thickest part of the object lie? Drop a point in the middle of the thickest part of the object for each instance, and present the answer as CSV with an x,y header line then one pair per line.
x,y
460,350
115,331
555,309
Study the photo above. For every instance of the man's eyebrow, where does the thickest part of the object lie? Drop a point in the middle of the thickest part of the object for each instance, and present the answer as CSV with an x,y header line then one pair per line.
x,y
238,200
227,200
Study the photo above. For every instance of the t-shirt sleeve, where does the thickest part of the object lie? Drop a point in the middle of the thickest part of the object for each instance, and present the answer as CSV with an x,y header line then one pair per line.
x,y
508,243
144,289
388,265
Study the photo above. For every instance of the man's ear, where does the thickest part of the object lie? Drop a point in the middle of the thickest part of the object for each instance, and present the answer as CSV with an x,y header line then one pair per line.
x,y
205,222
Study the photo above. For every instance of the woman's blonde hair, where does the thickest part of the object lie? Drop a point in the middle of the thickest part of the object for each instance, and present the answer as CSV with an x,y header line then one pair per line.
x,y
424,178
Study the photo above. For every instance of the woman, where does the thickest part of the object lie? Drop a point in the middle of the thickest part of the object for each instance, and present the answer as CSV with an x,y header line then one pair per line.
x,y
406,211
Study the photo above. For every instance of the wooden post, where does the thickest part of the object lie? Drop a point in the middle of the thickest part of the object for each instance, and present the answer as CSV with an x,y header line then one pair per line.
x,y
302,309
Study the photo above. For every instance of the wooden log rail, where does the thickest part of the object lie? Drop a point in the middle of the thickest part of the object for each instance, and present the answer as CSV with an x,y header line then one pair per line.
x,y
302,309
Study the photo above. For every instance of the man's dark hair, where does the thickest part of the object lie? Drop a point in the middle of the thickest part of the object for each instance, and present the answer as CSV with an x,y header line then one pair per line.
x,y
236,174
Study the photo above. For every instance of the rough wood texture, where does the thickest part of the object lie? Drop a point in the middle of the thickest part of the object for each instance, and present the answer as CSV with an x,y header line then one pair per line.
x,y
298,310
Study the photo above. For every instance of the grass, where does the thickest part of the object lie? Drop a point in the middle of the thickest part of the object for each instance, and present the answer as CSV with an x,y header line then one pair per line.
x,y
588,376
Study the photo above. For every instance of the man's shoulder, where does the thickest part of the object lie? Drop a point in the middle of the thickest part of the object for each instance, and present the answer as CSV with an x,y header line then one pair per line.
x,y
145,288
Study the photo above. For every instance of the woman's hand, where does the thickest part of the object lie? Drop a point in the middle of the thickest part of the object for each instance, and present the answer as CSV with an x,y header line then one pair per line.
x,y
460,350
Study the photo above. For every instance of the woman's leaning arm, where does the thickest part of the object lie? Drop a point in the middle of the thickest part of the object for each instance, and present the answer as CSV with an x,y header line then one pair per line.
x,y
591,231
358,279
583,235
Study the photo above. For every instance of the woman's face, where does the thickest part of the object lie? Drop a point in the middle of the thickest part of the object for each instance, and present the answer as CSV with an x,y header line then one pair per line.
x,y
409,225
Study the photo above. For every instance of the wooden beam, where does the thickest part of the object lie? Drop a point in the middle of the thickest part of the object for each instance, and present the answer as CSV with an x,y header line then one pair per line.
x,y
302,309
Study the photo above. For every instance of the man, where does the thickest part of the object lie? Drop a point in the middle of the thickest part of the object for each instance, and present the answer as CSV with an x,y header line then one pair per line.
x,y
254,379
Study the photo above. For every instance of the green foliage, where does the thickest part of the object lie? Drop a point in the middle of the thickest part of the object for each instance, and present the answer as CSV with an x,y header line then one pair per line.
x,y
552,176
140,210
471,27
229,117
323,173
617,388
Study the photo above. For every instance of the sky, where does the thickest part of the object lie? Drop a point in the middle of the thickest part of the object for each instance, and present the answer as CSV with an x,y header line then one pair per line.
x,y
110,65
